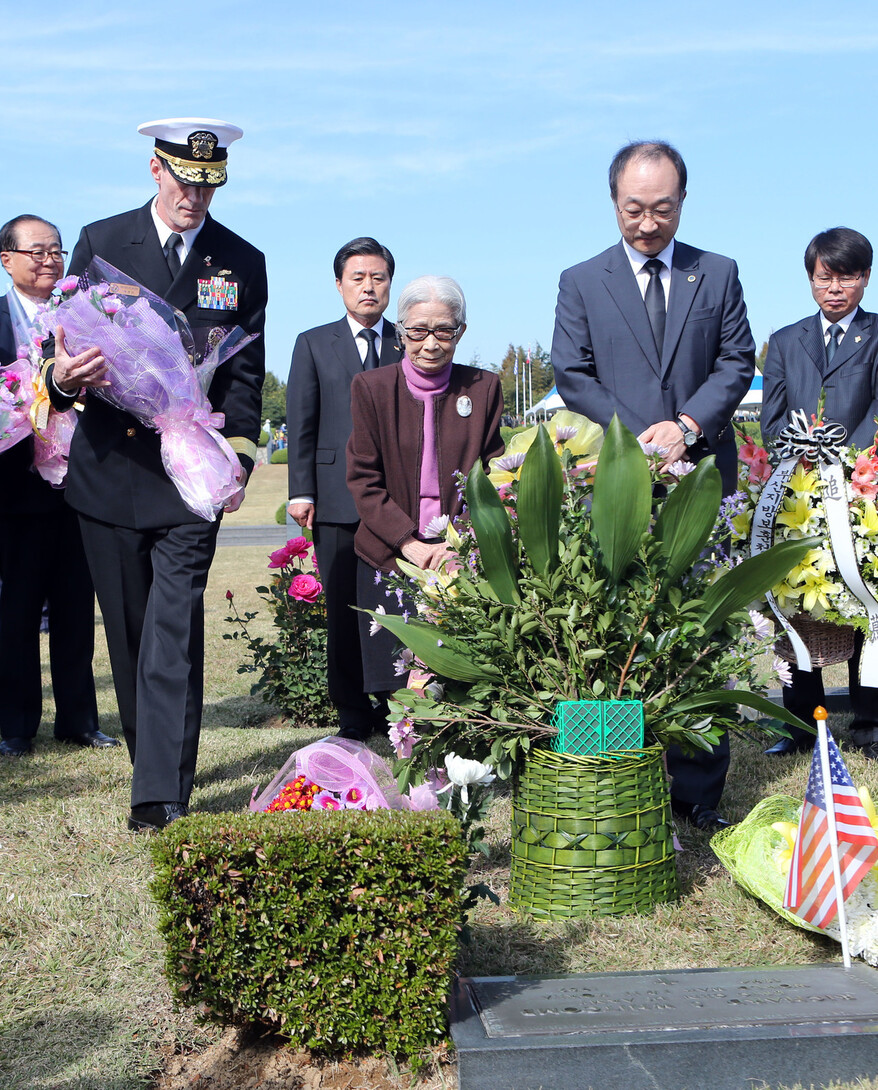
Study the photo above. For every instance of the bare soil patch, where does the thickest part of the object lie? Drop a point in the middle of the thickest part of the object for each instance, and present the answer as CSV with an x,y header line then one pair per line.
x,y
240,1060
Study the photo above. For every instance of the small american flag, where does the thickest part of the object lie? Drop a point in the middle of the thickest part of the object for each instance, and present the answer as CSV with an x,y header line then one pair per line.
x,y
810,891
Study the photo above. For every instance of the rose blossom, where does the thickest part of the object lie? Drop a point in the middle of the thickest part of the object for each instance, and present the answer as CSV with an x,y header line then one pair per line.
x,y
294,549
305,588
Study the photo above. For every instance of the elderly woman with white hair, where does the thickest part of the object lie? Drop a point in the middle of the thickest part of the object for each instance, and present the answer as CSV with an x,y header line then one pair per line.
x,y
416,424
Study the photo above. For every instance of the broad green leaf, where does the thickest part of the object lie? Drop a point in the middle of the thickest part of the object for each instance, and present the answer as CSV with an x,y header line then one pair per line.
x,y
540,490
688,516
437,650
494,535
751,579
698,701
622,501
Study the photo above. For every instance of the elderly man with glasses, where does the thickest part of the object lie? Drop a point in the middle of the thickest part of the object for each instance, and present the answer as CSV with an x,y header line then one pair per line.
x,y
656,331
834,352
41,554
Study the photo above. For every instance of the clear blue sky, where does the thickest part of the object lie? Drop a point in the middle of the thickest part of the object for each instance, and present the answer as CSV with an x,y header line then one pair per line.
x,y
472,138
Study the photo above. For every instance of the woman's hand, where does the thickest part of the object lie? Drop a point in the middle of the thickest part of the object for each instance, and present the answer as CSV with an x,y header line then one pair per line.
x,y
426,555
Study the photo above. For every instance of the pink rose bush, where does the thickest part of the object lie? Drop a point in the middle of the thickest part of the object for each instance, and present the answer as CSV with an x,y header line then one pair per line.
x,y
295,549
305,588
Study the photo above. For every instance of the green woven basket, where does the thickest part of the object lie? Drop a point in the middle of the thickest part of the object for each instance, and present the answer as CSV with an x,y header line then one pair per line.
x,y
592,835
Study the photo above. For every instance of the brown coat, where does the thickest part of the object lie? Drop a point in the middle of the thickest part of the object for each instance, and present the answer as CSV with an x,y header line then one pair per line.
x,y
385,448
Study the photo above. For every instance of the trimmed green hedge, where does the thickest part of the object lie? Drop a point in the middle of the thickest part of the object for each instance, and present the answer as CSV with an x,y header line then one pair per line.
x,y
279,457
336,929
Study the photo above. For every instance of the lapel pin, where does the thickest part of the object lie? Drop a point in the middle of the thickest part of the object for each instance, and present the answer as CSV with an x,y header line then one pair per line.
x,y
857,340
208,260
692,279
464,406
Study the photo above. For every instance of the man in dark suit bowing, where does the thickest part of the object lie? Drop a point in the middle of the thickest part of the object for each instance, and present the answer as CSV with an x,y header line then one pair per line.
x,y
41,554
657,332
325,360
149,555
834,352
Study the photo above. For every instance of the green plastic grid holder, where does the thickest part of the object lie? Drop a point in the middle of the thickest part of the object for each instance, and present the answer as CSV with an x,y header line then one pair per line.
x,y
590,727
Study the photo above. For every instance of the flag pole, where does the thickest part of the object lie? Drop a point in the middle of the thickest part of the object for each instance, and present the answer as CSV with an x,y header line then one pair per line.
x,y
821,715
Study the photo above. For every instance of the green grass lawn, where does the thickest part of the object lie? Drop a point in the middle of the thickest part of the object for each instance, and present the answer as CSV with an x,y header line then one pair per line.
x,y
83,1003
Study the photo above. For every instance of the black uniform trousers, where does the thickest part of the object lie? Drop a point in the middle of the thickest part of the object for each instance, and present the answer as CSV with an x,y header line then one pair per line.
x,y
42,559
807,693
337,562
150,587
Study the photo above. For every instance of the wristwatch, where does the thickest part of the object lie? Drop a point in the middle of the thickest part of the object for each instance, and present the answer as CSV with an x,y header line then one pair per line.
x,y
689,436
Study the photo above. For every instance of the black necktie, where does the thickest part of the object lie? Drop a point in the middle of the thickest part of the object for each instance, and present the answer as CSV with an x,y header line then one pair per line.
x,y
171,255
835,331
371,360
655,301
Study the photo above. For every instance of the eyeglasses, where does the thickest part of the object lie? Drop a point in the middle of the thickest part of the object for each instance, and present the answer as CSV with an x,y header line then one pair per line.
x,y
657,215
441,333
823,283
41,256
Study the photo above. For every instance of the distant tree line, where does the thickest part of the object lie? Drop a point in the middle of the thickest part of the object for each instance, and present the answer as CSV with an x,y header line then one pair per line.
x,y
543,376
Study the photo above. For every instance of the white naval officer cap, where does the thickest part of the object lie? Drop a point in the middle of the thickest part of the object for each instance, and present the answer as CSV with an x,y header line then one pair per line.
x,y
194,148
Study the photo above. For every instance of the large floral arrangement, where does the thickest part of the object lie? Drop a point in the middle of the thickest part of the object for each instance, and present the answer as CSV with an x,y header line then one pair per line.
x,y
813,585
576,582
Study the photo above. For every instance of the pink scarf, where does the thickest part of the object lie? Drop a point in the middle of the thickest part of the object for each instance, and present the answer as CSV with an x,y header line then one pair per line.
x,y
426,387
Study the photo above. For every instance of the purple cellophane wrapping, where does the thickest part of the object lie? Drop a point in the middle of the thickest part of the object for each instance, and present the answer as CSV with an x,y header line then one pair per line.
x,y
15,422
338,764
153,378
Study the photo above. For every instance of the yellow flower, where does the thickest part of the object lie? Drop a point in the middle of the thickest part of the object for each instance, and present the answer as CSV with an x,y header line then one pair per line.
x,y
787,593
868,525
788,830
817,590
433,583
581,436
741,524
797,515
804,483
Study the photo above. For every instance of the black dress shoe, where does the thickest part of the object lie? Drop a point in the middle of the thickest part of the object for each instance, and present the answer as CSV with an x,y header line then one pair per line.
x,y
355,734
787,746
14,747
702,817
94,739
154,816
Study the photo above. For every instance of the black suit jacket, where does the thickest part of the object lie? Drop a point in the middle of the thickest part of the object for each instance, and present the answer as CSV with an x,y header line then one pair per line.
x,y
325,361
22,491
115,471
795,372
606,360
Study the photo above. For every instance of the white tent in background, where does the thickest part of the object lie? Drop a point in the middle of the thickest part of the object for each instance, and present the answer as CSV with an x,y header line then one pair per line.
x,y
551,403
753,398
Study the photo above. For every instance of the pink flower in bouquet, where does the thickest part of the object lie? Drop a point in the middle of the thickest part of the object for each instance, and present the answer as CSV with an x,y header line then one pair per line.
x,y
67,283
325,800
403,737
864,479
750,453
294,549
760,471
423,797
111,305
355,798
305,588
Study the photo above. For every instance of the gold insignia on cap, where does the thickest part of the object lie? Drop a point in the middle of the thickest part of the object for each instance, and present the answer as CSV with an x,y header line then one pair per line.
x,y
692,279
202,144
